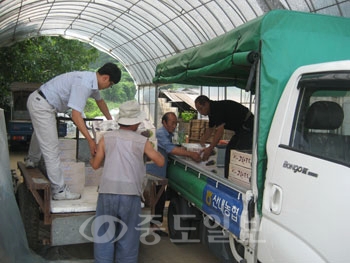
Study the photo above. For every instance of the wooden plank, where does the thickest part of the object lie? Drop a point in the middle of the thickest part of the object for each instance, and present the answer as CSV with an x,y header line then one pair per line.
x,y
154,196
40,187
34,178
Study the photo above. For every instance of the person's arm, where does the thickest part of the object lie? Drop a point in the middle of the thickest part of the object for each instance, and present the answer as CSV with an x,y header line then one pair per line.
x,y
181,151
217,136
80,123
169,147
104,109
97,160
154,155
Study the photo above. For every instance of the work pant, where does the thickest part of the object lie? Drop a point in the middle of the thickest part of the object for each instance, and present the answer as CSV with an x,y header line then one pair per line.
x,y
44,141
116,228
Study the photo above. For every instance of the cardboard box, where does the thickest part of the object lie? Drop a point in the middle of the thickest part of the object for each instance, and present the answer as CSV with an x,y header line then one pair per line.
x,y
74,175
239,174
92,176
199,124
241,158
228,135
68,149
240,167
67,144
67,155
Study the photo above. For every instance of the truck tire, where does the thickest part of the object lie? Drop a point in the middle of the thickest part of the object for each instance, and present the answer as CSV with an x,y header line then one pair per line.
x,y
176,235
30,215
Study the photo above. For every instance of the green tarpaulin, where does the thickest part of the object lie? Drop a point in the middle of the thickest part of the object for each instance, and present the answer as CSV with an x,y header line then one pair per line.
x,y
284,40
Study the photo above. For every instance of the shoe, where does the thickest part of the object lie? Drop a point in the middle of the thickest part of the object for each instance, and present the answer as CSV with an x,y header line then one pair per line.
x,y
28,163
65,194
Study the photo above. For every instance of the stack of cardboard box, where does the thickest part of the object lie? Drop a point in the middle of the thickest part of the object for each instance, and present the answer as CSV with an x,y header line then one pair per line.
x,y
197,129
240,167
73,171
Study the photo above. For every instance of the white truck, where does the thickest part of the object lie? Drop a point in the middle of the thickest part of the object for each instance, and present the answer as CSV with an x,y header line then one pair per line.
x,y
290,203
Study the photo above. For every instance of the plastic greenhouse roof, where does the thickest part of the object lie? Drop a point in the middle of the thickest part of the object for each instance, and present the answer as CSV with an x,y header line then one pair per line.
x,y
141,33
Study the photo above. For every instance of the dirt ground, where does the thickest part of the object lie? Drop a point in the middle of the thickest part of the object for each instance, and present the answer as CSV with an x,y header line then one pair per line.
x,y
162,252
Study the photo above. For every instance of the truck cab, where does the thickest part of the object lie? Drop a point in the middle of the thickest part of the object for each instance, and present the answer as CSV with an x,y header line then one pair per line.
x,y
307,178
19,126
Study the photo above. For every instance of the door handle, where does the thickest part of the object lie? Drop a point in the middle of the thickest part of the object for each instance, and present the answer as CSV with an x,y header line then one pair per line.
x,y
276,199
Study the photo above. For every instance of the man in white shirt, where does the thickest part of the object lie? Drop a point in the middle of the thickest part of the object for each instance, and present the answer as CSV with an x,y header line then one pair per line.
x,y
68,90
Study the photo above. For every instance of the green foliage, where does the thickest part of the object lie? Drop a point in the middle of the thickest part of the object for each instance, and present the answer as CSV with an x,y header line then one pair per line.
x,y
91,109
42,58
123,91
186,116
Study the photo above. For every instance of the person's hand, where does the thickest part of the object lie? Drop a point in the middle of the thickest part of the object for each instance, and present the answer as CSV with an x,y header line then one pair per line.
x,y
93,147
195,156
206,153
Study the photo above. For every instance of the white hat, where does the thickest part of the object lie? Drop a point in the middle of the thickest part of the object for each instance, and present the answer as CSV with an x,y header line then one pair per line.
x,y
130,113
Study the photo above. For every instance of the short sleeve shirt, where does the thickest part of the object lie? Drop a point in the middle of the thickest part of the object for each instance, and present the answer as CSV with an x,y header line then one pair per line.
x,y
124,168
165,139
165,146
71,90
228,112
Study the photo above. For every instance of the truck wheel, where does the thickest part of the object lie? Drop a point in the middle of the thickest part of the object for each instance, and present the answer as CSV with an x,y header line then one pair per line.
x,y
30,215
177,227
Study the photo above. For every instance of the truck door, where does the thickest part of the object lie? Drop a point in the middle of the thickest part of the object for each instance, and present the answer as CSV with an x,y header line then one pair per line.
x,y
305,215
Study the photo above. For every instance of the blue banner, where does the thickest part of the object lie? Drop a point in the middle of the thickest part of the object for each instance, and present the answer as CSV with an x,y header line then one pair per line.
x,y
225,206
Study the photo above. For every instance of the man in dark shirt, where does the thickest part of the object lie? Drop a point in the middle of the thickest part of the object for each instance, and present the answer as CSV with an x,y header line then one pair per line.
x,y
230,115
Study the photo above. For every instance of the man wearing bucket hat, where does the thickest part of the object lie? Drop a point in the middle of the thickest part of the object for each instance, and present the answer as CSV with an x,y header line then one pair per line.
x,y
120,188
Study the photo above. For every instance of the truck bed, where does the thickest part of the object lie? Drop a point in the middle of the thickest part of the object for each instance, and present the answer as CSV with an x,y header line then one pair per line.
x,y
205,188
65,218
210,171
87,202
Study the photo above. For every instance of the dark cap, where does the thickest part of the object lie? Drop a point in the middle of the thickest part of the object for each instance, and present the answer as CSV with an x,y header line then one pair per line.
x,y
112,71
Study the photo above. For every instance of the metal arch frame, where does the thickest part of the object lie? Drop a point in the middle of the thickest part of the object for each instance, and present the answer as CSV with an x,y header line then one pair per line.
x,y
101,24
169,20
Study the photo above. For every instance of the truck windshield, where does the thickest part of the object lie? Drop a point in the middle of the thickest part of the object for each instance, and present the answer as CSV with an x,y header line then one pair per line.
x,y
322,120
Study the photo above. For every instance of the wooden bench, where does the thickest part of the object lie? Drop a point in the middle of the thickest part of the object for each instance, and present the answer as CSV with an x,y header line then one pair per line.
x,y
40,187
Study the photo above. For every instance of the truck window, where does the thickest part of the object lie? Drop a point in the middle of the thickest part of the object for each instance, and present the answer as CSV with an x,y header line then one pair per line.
x,y
20,105
322,119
